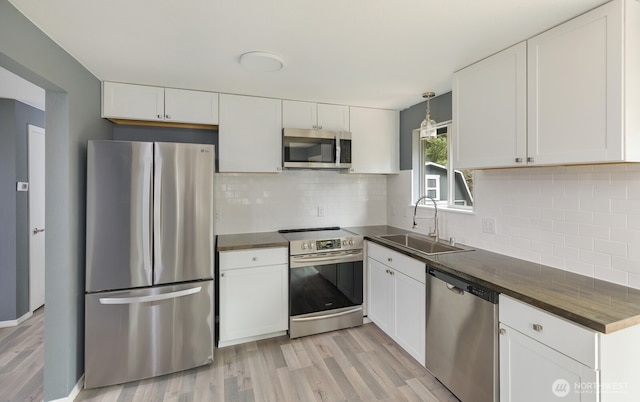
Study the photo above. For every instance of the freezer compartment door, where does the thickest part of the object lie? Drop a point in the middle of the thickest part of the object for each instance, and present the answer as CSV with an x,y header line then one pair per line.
x,y
119,215
142,333
183,209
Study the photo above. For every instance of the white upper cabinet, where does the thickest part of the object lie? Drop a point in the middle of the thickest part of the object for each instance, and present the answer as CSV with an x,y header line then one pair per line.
x,y
182,106
490,111
141,102
250,134
319,116
375,140
576,88
135,102
581,96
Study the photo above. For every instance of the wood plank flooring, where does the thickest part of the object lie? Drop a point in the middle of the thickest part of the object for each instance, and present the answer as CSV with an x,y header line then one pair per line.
x,y
22,360
357,364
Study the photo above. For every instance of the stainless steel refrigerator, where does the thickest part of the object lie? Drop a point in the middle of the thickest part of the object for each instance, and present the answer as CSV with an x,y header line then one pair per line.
x,y
150,260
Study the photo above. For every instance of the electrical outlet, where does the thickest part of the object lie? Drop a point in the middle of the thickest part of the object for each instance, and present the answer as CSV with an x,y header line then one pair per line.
x,y
320,211
489,225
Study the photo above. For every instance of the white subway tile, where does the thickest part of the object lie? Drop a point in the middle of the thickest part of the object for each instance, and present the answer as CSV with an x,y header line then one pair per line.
x,y
611,275
580,268
595,258
625,264
611,247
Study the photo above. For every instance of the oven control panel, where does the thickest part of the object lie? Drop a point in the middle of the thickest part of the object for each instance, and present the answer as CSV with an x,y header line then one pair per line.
x,y
328,244
298,247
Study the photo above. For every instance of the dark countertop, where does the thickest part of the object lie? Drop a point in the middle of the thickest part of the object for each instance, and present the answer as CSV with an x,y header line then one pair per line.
x,y
593,303
246,241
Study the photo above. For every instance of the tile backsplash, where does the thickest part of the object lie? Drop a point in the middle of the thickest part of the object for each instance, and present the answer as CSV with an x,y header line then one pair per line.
x,y
295,199
584,219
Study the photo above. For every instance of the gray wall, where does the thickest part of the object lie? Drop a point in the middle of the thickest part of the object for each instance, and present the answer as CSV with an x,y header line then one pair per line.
x,y
72,118
410,119
14,209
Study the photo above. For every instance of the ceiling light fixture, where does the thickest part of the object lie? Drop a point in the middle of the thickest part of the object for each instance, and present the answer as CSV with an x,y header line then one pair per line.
x,y
428,125
261,61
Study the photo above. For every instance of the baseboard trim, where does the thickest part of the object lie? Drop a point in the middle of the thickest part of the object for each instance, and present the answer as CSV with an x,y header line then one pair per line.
x,y
15,323
74,392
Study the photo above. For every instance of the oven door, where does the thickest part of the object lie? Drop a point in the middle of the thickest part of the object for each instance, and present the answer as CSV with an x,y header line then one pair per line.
x,y
324,297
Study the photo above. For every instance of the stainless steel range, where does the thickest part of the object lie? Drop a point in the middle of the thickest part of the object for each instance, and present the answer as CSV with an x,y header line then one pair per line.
x,y
326,280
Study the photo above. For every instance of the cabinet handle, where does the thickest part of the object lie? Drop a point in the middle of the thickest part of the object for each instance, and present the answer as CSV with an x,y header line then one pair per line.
x,y
254,259
502,331
319,127
518,160
537,327
389,259
160,116
168,116
222,274
531,159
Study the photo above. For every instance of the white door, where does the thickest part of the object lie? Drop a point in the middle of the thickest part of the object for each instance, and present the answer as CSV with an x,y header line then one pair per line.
x,y
36,217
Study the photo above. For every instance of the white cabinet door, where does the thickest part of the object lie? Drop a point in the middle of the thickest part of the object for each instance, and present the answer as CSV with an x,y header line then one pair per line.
x,y
490,111
134,102
296,114
375,140
533,372
575,90
318,116
380,309
250,134
197,107
410,314
333,117
253,302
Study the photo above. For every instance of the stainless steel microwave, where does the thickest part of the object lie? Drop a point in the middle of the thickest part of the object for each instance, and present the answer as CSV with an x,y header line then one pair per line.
x,y
316,149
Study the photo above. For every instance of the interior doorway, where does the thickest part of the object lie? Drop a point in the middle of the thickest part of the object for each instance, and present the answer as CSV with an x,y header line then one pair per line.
x,y
36,155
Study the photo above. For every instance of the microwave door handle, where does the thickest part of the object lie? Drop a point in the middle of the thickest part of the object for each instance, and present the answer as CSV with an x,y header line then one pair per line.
x,y
337,152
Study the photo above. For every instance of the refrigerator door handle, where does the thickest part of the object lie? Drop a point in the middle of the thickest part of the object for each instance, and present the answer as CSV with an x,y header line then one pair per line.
x,y
149,298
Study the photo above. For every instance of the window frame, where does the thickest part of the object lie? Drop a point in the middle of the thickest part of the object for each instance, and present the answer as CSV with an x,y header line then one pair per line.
x,y
419,174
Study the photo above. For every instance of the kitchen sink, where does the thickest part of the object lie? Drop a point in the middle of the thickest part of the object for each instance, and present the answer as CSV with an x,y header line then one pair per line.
x,y
423,244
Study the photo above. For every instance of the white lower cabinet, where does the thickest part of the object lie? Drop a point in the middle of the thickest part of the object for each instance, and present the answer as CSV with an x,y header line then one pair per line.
x,y
545,358
254,294
397,297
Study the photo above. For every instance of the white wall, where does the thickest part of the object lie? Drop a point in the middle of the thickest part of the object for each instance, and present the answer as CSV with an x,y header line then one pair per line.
x,y
267,202
584,219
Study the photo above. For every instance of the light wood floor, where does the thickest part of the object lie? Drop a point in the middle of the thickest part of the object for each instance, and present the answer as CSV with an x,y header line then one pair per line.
x,y
22,360
358,364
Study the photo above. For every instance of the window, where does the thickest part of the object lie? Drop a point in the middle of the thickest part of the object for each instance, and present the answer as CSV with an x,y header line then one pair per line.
x,y
434,174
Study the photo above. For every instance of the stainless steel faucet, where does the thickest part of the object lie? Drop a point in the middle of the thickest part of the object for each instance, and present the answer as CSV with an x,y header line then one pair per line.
x,y
435,234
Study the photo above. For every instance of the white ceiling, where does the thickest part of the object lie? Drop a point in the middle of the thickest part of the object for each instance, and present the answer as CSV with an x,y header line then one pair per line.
x,y
379,53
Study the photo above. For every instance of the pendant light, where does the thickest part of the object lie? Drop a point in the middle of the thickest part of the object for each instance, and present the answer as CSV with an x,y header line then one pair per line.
x,y
428,126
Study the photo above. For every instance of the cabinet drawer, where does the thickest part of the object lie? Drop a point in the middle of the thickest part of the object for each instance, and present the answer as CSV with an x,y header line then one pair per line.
x,y
400,262
564,336
253,258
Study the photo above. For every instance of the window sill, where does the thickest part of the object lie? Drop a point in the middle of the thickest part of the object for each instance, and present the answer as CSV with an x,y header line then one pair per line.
x,y
447,209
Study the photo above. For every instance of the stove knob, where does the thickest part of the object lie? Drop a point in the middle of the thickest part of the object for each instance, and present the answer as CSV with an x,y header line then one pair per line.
x,y
344,242
351,242
304,246
311,245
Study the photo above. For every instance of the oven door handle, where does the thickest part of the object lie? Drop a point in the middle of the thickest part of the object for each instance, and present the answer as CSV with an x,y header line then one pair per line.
x,y
334,257
322,317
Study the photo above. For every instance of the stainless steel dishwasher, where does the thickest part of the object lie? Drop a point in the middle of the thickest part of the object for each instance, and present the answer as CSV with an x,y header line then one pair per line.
x,y
462,336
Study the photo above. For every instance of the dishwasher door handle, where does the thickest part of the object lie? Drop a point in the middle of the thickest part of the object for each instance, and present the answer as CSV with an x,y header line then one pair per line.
x,y
454,289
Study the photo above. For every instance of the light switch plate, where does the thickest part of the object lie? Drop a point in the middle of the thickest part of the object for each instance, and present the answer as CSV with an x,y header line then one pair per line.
x,y
489,225
22,186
